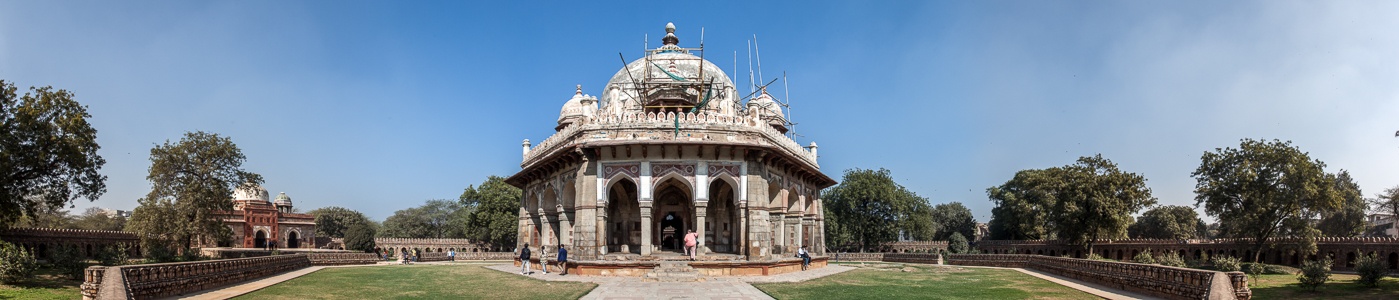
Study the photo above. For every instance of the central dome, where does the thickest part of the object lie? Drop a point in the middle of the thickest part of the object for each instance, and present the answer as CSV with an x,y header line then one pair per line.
x,y
668,71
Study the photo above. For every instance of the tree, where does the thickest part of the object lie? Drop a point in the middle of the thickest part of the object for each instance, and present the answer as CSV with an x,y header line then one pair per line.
x,y
1079,203
1167,222
953,218
870,209
1023,205
492,211
1387,203
1264,189
333,221
408,223
1349,220
441,216
96,219
360,237
45,217
48,152
190,181
956,243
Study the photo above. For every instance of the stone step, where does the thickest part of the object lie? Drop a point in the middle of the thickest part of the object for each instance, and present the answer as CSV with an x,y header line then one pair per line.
x,y
673,272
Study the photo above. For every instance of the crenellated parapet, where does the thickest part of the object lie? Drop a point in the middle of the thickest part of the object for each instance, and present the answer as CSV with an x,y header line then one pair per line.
x,y
697,127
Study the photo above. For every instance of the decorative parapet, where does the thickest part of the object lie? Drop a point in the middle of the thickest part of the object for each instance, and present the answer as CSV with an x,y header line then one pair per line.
x,y
485,256
339,259
171,279
433,256
92,282
1162,281
664,122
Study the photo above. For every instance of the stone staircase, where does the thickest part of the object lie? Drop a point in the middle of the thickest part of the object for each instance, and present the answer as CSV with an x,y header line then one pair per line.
x,y
673,271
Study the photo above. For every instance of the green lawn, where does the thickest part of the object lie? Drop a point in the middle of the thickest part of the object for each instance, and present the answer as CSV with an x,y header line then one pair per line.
x,y
453,281
43,285
1341,286
899,281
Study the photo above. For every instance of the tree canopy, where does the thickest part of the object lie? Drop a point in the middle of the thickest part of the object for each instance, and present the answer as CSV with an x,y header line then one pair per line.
x,y
1264,189
48,152
190,181
953,217
1168,222
333,221
493,211
868,208
1079,203
434,219
1349,220
360,237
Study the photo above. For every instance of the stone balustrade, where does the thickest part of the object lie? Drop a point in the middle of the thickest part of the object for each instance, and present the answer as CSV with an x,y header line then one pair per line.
x,y
171,279
1156,280
857,256
486,256
918,258
1343,250
433,256
339,259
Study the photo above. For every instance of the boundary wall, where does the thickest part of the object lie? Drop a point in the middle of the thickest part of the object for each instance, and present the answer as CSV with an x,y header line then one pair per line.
x,y
1156,280
1343,250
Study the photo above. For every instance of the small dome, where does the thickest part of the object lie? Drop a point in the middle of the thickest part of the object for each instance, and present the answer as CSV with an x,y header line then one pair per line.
x,y
250,191
579,106
766,109
283,200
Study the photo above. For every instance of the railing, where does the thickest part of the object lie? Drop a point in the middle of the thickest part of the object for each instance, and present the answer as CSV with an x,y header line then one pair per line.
x,y
485,256
1163,281
639,120
170,279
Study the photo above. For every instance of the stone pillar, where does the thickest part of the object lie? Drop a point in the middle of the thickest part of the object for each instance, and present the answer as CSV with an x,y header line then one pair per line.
x,y
699,226
565,229
546,230
646,228
601,230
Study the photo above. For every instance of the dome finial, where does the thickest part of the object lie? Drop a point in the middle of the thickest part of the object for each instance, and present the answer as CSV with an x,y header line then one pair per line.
x,y
670,38
579,91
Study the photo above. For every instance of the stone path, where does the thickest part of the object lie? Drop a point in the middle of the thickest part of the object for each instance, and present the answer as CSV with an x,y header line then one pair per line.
x,y
736,287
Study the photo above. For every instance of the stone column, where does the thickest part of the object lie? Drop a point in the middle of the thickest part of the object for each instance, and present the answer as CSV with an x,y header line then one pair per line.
x,y
565,229
646,228
699,226
546,230
601,230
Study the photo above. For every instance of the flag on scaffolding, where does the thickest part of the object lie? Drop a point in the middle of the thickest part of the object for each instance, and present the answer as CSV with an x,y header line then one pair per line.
x,y
668,73
708,91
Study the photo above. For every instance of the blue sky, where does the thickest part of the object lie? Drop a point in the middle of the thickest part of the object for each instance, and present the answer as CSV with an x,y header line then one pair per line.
x,y
378,106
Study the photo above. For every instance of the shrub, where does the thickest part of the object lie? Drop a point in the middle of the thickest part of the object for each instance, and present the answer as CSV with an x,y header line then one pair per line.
x,y
1253,270
192,254
1371,269
1269,269
1314,273
359,237
957,243
1095,256
1144,257
15,263
1226,263
68,261
1171,259
114,255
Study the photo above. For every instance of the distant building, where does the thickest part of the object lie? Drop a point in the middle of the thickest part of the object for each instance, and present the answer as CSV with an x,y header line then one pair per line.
x,y
982,231
114,213
1381,225
255,221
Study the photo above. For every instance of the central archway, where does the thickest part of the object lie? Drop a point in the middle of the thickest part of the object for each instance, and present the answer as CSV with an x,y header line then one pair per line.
x,y
293,241
672,214
260,239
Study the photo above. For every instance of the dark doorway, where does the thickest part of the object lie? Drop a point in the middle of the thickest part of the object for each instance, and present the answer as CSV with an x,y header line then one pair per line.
x,y
260,240
292,240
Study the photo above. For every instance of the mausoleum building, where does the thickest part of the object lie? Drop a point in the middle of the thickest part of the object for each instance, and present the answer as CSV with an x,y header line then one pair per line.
x,y
670,146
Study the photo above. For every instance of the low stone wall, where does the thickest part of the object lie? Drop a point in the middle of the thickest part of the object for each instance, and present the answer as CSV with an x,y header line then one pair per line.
x,y
857,256
918,258
486,256
433,256
1343,250
171,279
340,259
1156,280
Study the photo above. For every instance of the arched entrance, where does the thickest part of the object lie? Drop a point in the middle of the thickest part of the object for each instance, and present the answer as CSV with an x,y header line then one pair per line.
x,y
260,239
623,219
293,241
673,213
722,233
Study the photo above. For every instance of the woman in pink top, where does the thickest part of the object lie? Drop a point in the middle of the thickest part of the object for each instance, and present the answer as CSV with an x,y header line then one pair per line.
x,y
690,243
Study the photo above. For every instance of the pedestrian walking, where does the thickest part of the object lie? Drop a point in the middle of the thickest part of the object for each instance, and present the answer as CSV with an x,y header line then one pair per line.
x,y
690,243
524,260
563,261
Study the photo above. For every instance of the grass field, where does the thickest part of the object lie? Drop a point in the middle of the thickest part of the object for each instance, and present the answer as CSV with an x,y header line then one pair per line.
x,y
453,281
43,285
897,281
1341,286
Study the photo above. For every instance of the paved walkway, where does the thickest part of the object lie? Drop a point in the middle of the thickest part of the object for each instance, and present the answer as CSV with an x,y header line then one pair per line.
x,y
728,287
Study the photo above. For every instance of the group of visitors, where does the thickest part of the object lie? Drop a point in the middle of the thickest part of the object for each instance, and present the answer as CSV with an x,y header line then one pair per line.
x,y
524,258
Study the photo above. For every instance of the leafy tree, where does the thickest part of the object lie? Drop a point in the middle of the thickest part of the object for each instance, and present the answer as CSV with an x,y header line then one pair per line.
x,y
956,243
1264,189
952,218
871,208
45,217
1078,203
48,152
332,221
492,211
1314,273
190,180
360,237
443,218
1371,269
408,223
1387,203
15,263
1023,206
1350,219
96,219
1167,222
68,261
